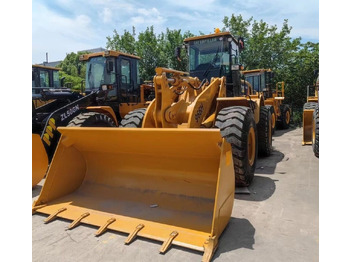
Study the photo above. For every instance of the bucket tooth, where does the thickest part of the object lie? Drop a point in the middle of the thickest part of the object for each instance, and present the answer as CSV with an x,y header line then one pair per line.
x,y
78,220
133,234
35,208
54,215
168,242
209,249
103,228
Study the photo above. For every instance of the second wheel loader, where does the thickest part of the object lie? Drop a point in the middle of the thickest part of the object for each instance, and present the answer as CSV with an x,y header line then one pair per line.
x,y
261,81
112,88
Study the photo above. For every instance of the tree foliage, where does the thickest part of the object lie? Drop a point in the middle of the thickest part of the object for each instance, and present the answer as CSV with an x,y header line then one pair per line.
x,y
266,46
154,50
72,70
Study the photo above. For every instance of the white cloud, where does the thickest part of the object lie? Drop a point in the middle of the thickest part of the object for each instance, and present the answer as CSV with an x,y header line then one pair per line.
x,y
59,35
86,23
203,5
150,16
106,15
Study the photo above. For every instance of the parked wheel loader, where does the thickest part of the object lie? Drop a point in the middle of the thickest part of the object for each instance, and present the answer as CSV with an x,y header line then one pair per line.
x,y
208,59
112,88
311,117
44,78
173,179
48,95
262,83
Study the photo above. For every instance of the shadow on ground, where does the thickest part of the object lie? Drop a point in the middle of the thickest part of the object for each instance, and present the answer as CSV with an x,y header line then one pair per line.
x,y
261,189
267,165
36,190
239,233
281,132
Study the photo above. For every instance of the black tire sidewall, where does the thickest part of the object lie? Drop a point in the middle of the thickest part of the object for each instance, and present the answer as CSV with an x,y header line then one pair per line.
x,y
235,123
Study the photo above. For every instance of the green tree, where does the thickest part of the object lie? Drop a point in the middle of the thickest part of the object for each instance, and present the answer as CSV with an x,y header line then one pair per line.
x,y
125,43
148,49
154,50
268,47
168,42
73,70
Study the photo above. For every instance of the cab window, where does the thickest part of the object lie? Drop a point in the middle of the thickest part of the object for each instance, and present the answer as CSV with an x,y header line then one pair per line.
x,y
125,70
44,79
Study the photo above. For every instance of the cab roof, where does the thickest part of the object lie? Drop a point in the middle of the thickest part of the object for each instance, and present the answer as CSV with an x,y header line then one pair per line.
x,y
210,36
106,53
47,67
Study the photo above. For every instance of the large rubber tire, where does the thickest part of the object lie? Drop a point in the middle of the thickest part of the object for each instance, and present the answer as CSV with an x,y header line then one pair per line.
x,y
273,118
264,132
285,116
92,119
134,118
237,126
315,132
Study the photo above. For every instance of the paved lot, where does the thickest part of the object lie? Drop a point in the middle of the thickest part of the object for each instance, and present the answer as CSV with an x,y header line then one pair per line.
x,y
277,221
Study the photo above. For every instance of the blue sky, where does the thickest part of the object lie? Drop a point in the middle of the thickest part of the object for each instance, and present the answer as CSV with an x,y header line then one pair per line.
x,y
64,26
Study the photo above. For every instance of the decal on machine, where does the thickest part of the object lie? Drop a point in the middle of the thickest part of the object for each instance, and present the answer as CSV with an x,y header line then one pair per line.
x,y
69,112
199,113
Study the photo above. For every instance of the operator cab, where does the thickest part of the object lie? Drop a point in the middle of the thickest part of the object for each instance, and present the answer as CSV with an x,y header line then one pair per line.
x,y
115,72
216,55
261,81
44,77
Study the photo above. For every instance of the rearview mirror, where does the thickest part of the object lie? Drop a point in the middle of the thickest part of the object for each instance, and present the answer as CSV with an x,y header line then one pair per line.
x,y
177,53
62,81
110,66
241,43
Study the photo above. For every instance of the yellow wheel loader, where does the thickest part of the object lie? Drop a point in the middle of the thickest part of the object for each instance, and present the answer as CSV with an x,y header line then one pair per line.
x,y
311,118
262,83
217,55
112,89
48,95
172,179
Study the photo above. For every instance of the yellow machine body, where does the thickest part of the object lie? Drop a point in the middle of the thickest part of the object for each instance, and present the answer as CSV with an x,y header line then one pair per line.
x,y
308,129
171,185
40,161
176,105
307,126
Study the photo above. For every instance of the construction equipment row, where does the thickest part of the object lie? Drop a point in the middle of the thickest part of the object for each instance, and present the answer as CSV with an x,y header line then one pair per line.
x,y
169,171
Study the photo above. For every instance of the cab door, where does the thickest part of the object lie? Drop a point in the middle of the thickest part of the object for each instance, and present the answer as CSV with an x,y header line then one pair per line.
x,y
125,83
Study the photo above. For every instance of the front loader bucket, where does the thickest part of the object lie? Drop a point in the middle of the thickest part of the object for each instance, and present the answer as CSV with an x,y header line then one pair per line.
x,y
307,126
171,185
39,160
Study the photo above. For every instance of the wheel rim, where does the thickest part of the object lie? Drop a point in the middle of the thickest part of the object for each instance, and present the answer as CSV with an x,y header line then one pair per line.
x,y
251,146
287,117
273,120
